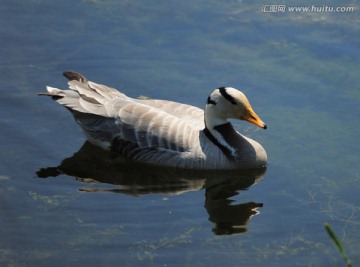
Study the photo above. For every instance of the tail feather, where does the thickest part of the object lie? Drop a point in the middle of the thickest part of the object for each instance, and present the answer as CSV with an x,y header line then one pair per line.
x,y
84,96
67,98
78,81
72,75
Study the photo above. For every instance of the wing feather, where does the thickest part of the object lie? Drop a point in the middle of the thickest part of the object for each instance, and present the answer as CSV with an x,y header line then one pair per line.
x,y
190,114
139,126
105,91
151,127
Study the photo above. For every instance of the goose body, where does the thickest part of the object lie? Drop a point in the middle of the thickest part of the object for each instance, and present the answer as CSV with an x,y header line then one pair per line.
x,y
162,132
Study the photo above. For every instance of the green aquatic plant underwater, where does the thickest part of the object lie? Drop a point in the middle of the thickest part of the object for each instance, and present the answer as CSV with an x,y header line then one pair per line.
x,y
338,243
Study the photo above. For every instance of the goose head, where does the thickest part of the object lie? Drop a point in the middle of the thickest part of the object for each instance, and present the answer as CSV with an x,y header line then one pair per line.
x,y
229,103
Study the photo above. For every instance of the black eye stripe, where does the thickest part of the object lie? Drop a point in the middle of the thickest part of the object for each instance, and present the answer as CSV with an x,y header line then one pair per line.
x,y
210,101
226,95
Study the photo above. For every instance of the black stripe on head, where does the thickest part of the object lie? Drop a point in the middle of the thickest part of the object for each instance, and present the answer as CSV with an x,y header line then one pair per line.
x,y
210,101
226,95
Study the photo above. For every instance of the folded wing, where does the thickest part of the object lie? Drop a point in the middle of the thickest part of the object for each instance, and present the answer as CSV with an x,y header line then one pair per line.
x,y
107,116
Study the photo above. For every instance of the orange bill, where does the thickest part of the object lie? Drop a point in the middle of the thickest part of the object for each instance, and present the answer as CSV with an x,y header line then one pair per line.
x,y
252,117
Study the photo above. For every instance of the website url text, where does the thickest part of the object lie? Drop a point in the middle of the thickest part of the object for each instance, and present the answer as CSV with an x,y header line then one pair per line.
x,y
313,8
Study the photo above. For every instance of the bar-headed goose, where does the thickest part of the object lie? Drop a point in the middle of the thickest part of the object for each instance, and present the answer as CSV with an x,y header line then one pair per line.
x,y
161,132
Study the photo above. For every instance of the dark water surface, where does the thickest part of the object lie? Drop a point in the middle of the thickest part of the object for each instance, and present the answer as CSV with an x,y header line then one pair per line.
x,y
64,202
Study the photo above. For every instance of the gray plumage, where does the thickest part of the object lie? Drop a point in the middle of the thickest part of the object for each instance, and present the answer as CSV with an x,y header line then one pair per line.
x,y
161,132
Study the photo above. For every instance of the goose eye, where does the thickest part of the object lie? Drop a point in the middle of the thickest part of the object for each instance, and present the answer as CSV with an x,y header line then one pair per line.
x,y
210,101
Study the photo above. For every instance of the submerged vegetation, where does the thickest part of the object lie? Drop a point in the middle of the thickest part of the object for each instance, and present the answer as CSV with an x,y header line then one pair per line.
x,y
338,244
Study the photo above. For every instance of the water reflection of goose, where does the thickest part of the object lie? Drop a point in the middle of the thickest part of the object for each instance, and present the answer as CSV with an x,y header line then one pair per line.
x,y
165,133
95,168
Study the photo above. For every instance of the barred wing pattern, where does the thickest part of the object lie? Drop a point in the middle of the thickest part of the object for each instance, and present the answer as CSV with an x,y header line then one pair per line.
x,y
154,131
